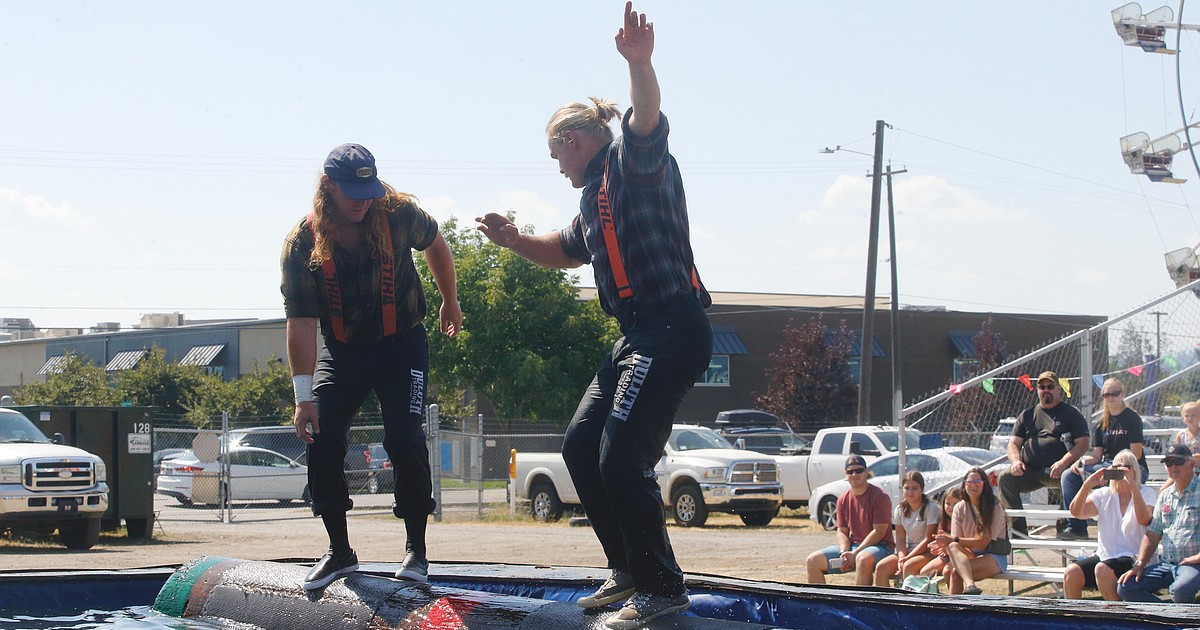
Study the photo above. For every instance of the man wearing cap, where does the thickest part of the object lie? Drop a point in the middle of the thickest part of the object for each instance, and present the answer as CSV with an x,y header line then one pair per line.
x,y
864,530
1046,439
348,268
1175,524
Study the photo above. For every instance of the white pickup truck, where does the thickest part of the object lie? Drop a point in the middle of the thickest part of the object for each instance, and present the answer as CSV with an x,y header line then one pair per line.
x,y
699,473
45,485
825,459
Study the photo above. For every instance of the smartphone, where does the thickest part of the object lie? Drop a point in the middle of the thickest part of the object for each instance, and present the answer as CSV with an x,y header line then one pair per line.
x,y
1111,474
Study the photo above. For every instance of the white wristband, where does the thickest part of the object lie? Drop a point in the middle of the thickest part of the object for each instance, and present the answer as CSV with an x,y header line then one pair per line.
x,y
302,385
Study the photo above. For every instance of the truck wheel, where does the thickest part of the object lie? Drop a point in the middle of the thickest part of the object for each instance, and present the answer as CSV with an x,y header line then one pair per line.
x,y
81,533
759,519
544,503
688,505
827,513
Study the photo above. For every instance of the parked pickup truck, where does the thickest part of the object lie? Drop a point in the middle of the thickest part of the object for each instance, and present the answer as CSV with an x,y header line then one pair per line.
x,y
699,473
825,459
45,485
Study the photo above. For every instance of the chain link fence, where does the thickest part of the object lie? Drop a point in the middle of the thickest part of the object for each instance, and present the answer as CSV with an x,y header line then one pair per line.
x,y
1154,351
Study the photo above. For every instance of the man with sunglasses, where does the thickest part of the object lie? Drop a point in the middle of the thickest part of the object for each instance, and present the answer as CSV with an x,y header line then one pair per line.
x,y
864,530
1046,440
1175,524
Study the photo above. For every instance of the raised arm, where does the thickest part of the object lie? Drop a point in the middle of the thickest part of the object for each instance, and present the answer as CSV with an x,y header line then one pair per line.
x,y
635,42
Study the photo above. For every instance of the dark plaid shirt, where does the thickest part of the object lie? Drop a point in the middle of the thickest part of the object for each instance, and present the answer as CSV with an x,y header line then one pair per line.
x,y
359,277
650,213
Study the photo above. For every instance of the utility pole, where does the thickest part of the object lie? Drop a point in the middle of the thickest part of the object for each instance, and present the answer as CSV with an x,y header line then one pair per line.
x,y
1157,333
866,341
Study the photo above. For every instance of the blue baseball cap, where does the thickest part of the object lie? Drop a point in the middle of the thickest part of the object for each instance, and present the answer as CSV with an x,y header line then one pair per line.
x,y
353,168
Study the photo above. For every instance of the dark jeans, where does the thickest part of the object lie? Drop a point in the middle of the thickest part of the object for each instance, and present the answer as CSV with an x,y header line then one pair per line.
x,y
396,369
620,428
1012,486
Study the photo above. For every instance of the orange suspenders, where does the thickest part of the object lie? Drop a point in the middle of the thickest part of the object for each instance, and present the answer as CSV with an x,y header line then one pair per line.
x,y
387,289
624,289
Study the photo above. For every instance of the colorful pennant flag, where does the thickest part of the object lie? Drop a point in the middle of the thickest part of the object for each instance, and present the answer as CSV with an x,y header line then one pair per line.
x,y
1099,381
1136,370
989,386
1065,384
1024,378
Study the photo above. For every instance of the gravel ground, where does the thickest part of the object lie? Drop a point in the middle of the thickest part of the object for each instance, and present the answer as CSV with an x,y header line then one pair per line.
x,y
724,546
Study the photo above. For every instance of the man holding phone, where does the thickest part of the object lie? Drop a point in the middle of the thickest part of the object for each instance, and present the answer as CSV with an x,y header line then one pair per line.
x,y
864,530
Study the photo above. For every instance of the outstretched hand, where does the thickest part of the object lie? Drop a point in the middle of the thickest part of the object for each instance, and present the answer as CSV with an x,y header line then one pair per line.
x,y
635,40
498,229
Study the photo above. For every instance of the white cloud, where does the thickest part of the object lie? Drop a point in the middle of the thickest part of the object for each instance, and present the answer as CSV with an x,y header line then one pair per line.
x,y
531,208
917,198
442,207
22,212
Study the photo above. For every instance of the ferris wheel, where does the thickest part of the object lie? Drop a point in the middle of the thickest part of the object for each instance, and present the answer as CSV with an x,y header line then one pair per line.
x,y
1154,157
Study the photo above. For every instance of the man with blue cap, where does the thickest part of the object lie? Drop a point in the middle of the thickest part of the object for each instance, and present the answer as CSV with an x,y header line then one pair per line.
x,y
347,268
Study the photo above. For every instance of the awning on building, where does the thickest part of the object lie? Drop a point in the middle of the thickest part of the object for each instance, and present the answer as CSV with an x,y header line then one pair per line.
x,y
53,365
202,356
856,342
727,341
964,344
124,360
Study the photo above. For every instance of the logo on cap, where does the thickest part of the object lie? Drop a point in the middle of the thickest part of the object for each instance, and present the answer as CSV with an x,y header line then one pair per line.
x,y
364,171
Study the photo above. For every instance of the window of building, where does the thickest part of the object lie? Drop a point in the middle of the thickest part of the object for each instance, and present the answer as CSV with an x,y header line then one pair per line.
x,y
717,374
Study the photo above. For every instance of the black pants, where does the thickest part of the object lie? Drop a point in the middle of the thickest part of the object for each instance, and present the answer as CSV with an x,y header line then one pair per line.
x,y
397,369
620,428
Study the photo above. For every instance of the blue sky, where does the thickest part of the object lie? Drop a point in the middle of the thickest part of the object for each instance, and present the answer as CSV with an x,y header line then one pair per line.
x,y
154,154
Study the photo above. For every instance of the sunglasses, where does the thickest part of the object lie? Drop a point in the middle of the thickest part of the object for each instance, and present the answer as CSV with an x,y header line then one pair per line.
x,y
1111,394
1047,387
1174,462
974,482
855,471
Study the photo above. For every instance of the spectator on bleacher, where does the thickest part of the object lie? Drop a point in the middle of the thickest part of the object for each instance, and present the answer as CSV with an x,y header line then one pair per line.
x,y
864,530
916,520
1118,428
978,520
1176,525
936,562
1046,440
1189,436
1122,509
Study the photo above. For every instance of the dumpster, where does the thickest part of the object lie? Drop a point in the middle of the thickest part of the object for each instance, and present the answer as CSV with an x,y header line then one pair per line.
x,y
122,437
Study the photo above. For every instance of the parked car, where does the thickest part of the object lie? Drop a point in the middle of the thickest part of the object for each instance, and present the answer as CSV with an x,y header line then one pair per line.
x,y
1002,435
382,478
821,462
938,466
164,454
255,474
282,440
1165,428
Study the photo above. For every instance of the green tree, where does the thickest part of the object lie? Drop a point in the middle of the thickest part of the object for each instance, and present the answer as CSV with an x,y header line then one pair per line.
x,y
80,382
264,394
157,382
528,344
809,384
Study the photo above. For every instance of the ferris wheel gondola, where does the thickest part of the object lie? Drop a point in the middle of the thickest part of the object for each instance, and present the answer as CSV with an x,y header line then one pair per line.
x,y
1154,158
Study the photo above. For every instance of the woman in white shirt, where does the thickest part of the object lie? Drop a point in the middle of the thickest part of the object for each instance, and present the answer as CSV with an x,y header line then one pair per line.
x,y
1122,510
915,519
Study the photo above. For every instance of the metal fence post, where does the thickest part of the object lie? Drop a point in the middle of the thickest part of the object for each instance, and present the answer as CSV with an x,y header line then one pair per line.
x,y
433,420
223,507
478,439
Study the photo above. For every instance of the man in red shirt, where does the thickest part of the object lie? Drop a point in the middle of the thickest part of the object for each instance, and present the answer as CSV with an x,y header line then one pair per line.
x,y
864,530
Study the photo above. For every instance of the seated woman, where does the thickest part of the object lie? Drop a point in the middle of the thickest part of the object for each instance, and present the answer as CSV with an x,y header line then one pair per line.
x,y
1118,428
934,562
1122,510
978,520
915,519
